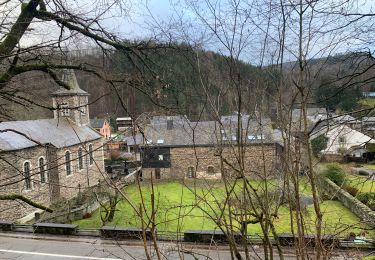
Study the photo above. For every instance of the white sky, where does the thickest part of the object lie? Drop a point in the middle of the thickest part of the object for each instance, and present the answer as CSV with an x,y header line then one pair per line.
x,y
160,18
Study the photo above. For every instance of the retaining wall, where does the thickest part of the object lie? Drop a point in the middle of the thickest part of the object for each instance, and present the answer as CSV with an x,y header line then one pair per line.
x,y
357,207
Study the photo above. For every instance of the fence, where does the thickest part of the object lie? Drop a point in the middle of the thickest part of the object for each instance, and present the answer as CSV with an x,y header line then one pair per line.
x,y
191,236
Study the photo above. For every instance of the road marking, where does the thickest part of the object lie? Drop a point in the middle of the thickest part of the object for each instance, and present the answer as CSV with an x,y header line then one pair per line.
x,y
56,255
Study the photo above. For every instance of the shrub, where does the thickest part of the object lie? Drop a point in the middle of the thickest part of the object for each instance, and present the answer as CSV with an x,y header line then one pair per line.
x,y
367,198
351,190
335,173
318,144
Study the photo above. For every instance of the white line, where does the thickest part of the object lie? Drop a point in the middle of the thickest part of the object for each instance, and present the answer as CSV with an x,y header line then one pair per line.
x,y
56,255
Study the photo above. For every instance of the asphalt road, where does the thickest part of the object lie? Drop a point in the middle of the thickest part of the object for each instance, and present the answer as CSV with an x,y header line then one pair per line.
x,y
35,248
39,248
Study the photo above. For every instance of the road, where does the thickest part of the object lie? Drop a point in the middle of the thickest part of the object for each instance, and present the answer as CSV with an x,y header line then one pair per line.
x,y
38,248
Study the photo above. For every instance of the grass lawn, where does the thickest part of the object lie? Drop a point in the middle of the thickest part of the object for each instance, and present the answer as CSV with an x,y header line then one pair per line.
x,y
363,184
178,210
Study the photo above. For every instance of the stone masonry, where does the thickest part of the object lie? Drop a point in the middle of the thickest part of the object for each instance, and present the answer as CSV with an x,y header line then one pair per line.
x,y
259,161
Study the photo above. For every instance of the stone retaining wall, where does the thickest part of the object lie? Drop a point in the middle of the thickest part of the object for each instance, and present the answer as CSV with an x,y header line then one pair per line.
x,y
357,207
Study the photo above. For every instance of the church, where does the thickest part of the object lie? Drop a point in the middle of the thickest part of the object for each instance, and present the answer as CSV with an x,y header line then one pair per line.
x,y
47,160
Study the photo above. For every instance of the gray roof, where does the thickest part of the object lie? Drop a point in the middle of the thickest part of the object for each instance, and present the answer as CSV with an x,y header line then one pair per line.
x,y
177,120
345,119
134,140
69,78
97,122
311,111
188,133
58,132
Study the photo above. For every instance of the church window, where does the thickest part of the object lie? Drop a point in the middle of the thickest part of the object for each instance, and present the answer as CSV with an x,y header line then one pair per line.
x,y
68,163
42,170
80,159
27,175
91,154
64,109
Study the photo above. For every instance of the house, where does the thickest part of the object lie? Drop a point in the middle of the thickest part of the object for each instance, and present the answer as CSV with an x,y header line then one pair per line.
x,y
344,142
368,125
124,123
132,144
178,149
48,160
102,126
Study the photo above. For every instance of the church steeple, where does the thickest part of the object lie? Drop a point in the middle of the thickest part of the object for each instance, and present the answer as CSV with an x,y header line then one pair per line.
x,y
73,102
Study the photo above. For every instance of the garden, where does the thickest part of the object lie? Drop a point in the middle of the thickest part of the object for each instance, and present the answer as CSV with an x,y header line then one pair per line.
x,y
178,208
359,184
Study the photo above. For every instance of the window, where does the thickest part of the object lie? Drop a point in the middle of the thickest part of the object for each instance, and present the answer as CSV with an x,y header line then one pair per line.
x,y
157,173
91,154
42,170
68,165
64,109
26,175
83,110
161,157
80,159
191,173
210,169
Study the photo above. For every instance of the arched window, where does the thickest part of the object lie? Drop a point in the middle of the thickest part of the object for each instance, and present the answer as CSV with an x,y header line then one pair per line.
x,y
42,170
80,159
91,154
68,164
26,175
210,169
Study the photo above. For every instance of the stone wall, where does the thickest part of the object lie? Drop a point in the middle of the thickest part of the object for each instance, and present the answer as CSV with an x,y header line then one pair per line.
x,y
357,207
57,185
12,181
80,179
259,161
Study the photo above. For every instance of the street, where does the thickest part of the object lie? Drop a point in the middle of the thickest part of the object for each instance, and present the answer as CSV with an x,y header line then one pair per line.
x,y
39,248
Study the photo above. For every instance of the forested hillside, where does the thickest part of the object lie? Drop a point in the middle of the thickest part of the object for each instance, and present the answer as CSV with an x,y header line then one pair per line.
x,y
191,82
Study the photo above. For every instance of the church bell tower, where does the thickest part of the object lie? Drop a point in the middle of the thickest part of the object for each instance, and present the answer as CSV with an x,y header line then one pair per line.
x,y
71,103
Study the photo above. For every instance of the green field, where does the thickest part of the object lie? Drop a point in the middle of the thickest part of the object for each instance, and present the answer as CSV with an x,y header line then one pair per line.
x,y
177,210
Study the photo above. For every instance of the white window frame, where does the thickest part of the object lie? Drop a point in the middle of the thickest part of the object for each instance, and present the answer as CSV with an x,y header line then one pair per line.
x,y
64,109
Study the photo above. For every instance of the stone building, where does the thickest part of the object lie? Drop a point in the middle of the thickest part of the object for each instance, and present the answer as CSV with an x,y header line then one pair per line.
x,y
48,160
207,149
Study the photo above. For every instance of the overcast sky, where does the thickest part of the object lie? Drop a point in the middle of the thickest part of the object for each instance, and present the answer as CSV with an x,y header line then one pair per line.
x,y
160,18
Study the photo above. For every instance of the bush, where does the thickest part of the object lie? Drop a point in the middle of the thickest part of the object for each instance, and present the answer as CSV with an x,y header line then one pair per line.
x,y
367,198
351,190
335,173
318,144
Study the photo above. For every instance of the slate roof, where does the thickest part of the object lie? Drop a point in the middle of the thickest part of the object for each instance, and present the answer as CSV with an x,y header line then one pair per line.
x,y
97,122
134,140
58,132
186,133
69,78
